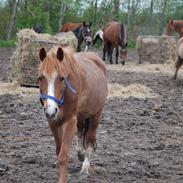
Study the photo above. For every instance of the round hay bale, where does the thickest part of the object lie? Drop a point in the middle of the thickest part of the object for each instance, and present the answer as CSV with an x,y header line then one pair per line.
x,y
156,49
25,60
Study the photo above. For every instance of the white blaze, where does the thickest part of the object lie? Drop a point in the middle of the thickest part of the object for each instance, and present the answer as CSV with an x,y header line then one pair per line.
x,y
51,105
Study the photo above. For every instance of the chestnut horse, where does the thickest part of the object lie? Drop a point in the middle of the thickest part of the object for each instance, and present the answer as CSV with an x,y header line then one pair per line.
x,y
73,90
174,25
70,26
179,60
115,35
82,32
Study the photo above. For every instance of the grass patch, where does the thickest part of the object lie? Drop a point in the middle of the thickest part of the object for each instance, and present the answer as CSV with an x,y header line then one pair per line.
x,y
131,44
7,44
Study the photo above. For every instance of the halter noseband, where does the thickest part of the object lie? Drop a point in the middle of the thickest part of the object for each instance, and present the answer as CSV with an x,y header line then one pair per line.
x,y
61,101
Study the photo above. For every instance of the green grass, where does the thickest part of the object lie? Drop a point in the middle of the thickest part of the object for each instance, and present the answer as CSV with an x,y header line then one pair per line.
x,y
7,44
131,44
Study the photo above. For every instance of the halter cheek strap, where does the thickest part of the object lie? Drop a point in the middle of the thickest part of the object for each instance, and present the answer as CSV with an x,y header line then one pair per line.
x,y
61,101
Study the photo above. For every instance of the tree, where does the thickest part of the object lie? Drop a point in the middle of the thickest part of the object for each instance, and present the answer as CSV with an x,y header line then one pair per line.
x,y
11,23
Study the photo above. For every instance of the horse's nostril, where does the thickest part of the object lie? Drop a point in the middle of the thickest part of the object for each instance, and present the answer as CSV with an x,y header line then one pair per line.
x,y
44,108
55,110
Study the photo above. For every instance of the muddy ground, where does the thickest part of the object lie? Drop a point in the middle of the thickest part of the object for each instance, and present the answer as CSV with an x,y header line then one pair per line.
x,y
140,138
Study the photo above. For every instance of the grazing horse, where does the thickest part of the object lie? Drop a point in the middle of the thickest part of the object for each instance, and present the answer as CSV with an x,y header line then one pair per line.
x,y
82,32
174,25
115,35
73,90
98,36
179,60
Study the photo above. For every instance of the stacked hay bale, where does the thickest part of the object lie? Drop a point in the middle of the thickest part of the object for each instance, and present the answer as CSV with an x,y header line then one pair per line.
x,y
25,61
156,49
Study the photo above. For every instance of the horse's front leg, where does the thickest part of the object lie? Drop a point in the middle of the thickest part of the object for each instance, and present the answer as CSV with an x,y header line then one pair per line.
x,y
69,129
178,64
57,133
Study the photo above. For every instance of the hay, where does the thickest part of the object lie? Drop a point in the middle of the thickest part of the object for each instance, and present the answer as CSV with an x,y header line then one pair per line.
x,y
156,49
133,90
25,61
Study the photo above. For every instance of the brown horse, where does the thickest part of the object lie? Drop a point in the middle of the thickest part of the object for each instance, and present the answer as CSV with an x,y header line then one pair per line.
x,y
73,90
115,35
174,25
82,32
179,60
70,26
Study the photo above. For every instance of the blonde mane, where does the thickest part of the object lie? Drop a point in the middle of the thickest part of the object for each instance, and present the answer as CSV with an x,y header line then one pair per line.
x,y
67,63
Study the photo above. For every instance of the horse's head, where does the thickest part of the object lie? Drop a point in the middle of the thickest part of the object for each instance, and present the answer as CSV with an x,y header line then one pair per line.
x,y
170,27
86,34
123,43
52,81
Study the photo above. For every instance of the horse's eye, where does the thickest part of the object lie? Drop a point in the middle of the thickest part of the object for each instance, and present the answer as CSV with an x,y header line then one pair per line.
x,y
61,78
40,78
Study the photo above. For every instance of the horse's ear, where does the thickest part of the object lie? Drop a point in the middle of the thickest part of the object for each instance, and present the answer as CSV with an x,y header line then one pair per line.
x,y
84,23
42,54
170,21
90,24
60,54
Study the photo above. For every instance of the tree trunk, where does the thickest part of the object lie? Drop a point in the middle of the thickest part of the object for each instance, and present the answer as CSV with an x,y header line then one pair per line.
x,y
63,9
95,15
128,19
151,14
14,5
116,9
163,17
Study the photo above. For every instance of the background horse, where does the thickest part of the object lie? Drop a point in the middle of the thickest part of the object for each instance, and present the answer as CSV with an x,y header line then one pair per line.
x,y
174,25
73,91
179,60
37,28
115,35
98,36
70,26
82,32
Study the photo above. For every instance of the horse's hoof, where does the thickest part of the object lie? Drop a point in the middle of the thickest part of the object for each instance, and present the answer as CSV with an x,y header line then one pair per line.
x,y
174,78
81,156
85,167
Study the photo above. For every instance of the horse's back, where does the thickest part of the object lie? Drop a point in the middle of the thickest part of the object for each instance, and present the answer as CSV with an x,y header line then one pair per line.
x,y
70,26
93,78
111,30
91,60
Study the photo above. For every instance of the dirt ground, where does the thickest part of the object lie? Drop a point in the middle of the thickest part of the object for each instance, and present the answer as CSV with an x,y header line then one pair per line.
x,y
140,138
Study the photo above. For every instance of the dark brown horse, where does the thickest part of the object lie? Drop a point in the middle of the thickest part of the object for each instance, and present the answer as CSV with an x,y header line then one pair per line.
x,y
115,35
82,32
179,60
73,88
174,25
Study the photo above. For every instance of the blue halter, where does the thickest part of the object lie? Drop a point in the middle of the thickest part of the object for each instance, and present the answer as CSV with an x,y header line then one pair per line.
x,y
61,101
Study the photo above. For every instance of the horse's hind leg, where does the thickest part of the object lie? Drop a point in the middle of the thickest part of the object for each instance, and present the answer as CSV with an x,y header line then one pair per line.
x,y
90,140
178,64
80,140
117,54
104,52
